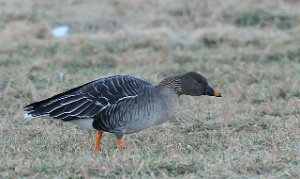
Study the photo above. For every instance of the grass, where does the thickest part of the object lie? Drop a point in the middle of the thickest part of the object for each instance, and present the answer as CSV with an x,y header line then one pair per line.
x,y
248,51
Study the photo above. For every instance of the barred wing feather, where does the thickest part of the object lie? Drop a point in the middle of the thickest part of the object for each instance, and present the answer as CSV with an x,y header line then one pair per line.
x,y
87,100
116,115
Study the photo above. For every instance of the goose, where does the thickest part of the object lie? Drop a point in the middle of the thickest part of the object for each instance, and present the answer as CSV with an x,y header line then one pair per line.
x,y
121,104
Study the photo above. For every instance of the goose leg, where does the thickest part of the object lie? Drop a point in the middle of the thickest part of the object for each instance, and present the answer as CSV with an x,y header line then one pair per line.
x,y
120,143
97,146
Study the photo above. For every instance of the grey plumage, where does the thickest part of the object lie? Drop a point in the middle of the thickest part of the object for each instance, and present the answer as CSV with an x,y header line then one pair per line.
x,y
137,113
121,104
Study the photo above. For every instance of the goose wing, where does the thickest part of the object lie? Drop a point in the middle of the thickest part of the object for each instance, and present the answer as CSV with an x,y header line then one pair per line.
x,y
115,116
89,99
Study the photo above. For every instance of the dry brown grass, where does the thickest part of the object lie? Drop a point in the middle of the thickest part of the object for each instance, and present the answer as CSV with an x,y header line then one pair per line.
x,y
249,50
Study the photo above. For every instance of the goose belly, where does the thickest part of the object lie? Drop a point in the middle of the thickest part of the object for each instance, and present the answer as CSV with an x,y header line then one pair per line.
x,y
84,123
153,115
144,122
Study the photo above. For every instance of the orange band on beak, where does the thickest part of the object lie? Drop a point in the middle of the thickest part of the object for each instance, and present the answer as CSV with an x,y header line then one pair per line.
x,y
217,94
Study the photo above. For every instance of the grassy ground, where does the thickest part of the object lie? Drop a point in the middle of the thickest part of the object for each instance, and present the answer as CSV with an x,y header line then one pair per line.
x,y
249,50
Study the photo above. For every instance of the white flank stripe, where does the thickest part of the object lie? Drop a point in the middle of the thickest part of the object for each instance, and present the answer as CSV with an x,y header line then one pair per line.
x,y
75,100
104,107
127,97
59,99
68,112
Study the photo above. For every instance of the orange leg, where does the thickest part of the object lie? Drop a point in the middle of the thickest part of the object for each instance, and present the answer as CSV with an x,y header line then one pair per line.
x,y
97,146
120,144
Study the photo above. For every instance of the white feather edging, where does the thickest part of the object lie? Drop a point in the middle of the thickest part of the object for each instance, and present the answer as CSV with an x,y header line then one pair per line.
x,y
28,116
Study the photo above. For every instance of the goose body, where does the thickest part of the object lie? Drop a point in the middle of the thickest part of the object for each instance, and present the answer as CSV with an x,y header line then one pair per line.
x,y
120,104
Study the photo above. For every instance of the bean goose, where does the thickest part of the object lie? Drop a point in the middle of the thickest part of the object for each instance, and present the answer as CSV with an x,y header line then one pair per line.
x,y
121,104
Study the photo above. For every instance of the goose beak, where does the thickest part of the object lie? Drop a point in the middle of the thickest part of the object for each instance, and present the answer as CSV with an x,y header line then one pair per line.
x,y
211,92
217,94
